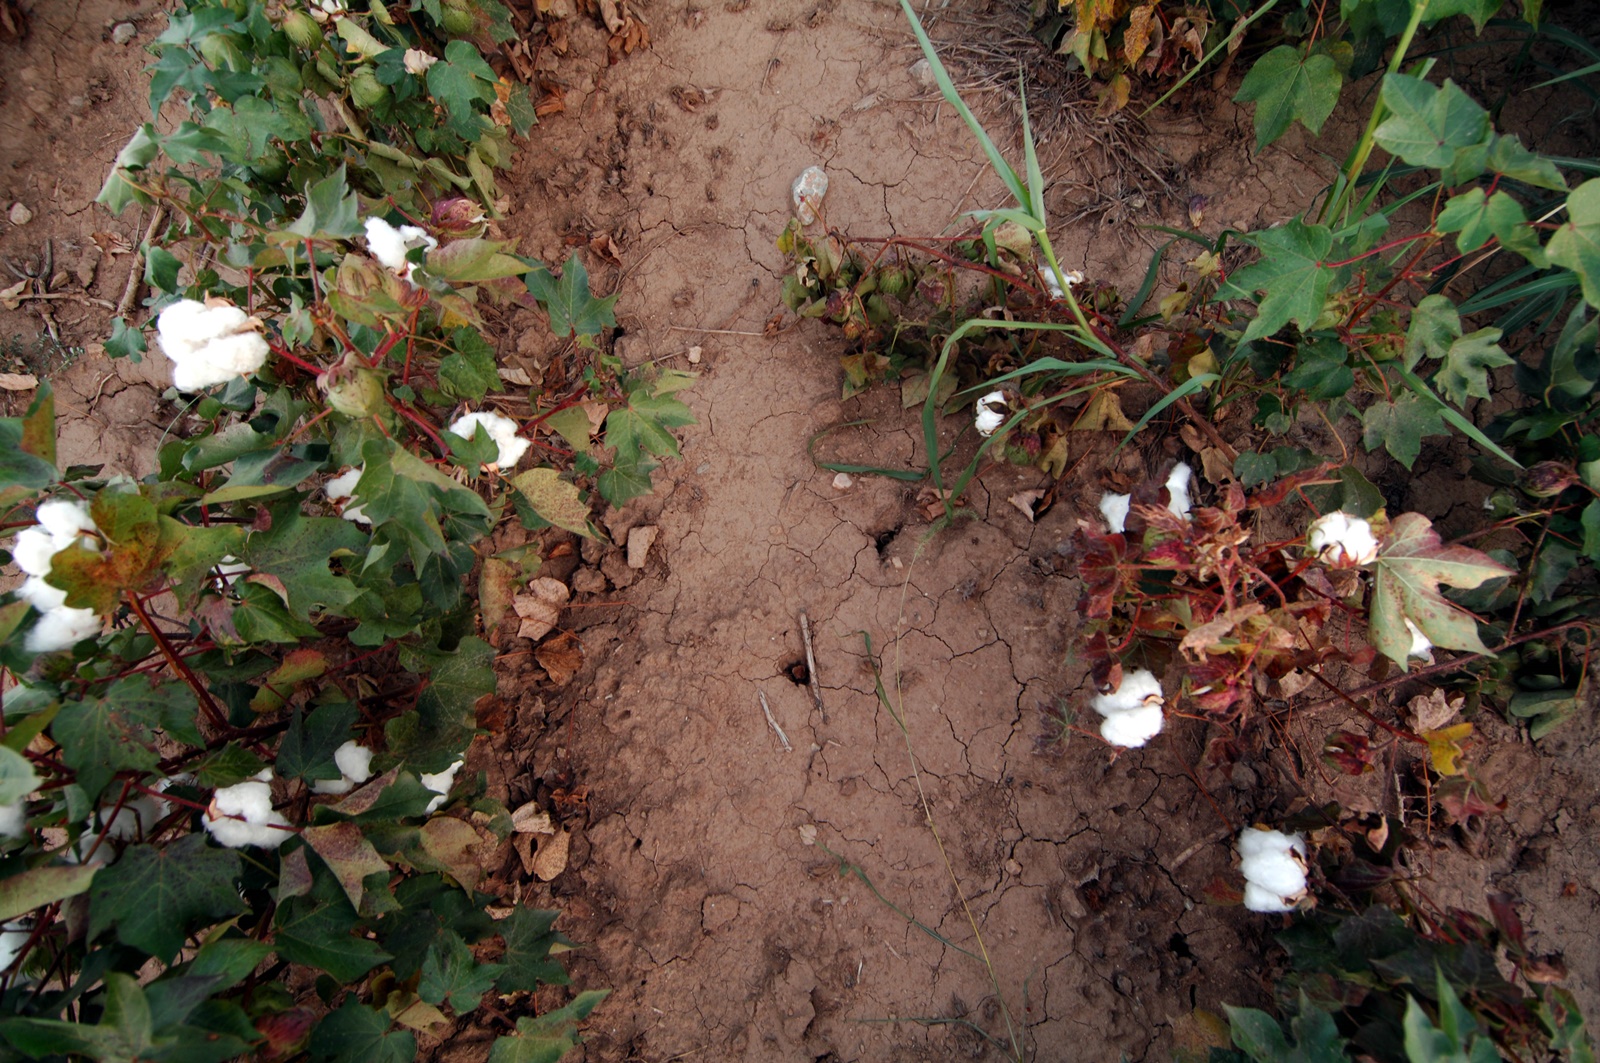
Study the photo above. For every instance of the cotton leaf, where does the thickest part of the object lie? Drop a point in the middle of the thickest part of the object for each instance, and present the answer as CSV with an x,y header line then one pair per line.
x,y
1286,86
1444,747
1408,573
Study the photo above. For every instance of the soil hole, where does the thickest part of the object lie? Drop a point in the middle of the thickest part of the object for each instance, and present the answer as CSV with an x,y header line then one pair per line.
x,y
797,672
884,538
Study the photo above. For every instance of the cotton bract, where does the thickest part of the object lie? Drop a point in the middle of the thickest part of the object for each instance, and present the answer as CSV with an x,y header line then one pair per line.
x,y
354,762
242,815
1133,712
209,343
390,245
1274,869
503,430
990,413
1343,541
440,783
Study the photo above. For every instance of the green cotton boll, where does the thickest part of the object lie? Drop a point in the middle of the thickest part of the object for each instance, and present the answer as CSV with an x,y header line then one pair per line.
x,y
366,90
302,30
457,22
354,392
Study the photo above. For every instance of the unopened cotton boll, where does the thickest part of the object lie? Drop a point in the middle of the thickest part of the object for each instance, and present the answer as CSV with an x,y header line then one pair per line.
x,y
390,245
1273,864
503,430
440,783
1114,508
1178,489
417,61
990,413
1343,541
242,815
209,343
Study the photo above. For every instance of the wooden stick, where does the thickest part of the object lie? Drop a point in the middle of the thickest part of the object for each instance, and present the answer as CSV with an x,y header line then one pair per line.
x,y
136,271
811,665
787,748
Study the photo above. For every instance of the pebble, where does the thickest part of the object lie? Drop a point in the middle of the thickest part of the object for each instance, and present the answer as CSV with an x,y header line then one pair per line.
x,y
843,482
922,73
809,188
695,354
639,542
123,32
20,214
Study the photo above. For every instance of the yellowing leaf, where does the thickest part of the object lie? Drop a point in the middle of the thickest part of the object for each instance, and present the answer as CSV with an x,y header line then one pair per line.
x,y
1444,747
1136,37
1103,414
1410,568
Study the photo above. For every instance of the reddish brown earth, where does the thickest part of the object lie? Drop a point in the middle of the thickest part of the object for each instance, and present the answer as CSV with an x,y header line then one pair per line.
x,y
705,873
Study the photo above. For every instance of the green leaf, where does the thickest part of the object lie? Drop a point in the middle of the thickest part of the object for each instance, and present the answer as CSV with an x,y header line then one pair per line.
x,y
331,210
123,1034
1285,86
391,796
460,81
1400,426
1320,370
529,936
445,718
571,306
17,777
1479,11
1508,158
468,371
1409,570
1257,1034
359,1034
473,260
1576,244
322,931
1591,530
228,766
554,499
154,897
138,153
548,1037
1290,272
1547,709
39,886
125,342
520,109
1429,125
1466,366
450,973
625,481
307,749
297,551
1435,324
102,736
1475,218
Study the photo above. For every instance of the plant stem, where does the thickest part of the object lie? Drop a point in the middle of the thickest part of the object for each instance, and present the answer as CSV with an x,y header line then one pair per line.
x,y
208,704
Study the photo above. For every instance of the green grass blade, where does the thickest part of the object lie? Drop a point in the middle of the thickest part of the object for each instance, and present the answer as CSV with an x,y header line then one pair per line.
x,y
1585,71
1151,275
947,88
1182,391
1031,156
909,475
1452,415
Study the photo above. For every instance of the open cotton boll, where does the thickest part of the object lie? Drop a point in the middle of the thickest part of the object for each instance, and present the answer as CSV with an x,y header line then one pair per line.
x,y
1132,728
61,523
209,343
1343,541
242,815
1114,508
990,413
341,491
32,550
65,518
62,629
1178,488
12,938
1421,645
1139,690
354,762
41,595
1257,899
14,819
136,818
1273,864
1058,283
503,430
390,245
440,784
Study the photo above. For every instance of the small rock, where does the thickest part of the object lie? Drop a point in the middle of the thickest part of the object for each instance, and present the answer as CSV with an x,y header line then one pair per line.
x,y
588,581
922,73
20,215
809,188
843,482
1013,868
694,355
123,32
639,542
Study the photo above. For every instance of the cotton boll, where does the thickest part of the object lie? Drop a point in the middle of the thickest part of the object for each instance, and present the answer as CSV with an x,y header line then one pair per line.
x,y
14,820
1132,728
220,362
242,815
341,492
1139,690
1421,645
65,518
1114,508
1341,540
136,818
990,413
32,550
209,343
1257,899
41,595
354,760
503,430
12,938
440,783
390,245
417,62
1178,488
1059,283
62,629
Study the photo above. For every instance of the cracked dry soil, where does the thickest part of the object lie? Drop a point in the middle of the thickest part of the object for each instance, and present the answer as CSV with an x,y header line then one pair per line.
x,y
704,878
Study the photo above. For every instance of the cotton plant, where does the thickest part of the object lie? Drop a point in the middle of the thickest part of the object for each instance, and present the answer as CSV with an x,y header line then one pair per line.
x,y
390,244
354,762
242,815
1274,868
503,430
210,343
1132,713
61,523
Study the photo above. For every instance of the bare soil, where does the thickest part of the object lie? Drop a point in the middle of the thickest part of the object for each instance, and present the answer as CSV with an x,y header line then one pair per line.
x,y
705,876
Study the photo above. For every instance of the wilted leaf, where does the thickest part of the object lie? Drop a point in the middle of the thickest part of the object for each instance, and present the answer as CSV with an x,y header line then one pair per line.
x,y
1444,747
541,608
1103,414
1409,570
551,859
560,657
556,500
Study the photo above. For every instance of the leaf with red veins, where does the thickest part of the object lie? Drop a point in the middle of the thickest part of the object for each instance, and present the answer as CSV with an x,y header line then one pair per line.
x,y
1409,570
